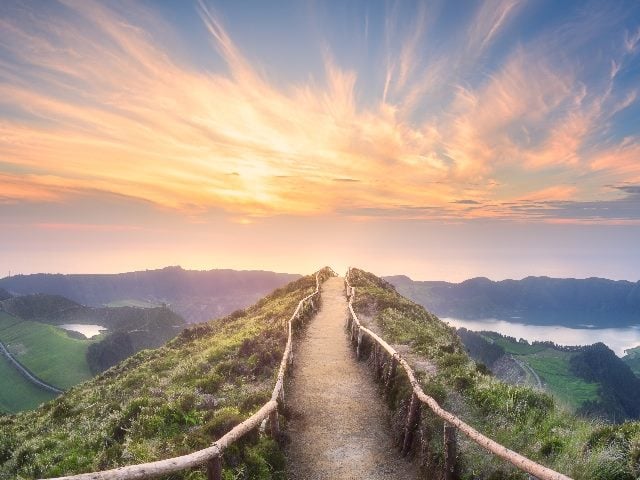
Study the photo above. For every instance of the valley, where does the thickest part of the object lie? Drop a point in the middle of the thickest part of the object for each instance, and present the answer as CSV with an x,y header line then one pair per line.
x,y
49,352
590,380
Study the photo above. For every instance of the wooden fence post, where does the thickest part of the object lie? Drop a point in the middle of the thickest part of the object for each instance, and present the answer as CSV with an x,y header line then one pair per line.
x,y
374,353
274,423
413,416
450,470
214,468
359,347
392,374
380,364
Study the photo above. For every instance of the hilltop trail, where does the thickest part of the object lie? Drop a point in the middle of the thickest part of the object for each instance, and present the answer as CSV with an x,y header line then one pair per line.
x,y
339,424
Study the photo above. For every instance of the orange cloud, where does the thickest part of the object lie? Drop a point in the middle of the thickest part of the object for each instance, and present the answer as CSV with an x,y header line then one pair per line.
x,y
119,114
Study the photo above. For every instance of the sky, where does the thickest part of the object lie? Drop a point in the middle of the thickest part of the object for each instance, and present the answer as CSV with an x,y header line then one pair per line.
x,y
438,139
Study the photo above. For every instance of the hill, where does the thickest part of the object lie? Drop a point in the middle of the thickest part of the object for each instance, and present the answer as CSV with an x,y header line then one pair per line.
x,y
521,418
137,328
50,353
63,358
195,295
632,358
591,380
535,300
164,402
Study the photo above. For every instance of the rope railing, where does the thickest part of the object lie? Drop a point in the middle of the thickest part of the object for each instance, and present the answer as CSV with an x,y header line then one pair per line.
x,y
418,397
212,455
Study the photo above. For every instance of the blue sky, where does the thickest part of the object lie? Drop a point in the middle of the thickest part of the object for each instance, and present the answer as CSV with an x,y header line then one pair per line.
x,y
443,139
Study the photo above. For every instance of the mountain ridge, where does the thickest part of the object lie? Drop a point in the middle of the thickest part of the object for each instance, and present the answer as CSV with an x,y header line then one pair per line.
x,y
541,300
197,295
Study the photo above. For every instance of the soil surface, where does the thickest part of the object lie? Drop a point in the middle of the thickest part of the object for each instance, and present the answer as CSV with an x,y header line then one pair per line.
x,y
338,423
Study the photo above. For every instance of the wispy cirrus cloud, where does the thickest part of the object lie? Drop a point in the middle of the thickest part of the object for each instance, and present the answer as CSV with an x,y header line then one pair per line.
x,y
92,101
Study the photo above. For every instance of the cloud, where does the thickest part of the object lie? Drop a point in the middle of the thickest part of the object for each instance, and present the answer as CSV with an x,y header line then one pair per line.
x,y
95,104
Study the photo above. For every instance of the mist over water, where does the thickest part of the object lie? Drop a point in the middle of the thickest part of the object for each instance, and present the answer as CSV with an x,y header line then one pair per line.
x,y
617,339
88,331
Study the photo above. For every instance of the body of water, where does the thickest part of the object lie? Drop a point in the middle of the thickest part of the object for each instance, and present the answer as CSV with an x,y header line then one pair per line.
x,y
88,331
617,339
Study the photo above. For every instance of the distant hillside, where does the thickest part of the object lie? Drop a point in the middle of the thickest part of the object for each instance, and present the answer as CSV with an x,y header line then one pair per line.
x,y
57,310
632,358
65,358
4,294
590,379
195,295
521,418
535,300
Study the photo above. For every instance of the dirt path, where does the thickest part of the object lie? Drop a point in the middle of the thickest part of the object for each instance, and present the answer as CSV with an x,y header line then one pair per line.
x,y
338,424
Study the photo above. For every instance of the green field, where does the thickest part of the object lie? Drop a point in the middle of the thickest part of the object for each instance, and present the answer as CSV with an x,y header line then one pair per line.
x,y
553,368
47,351
16,392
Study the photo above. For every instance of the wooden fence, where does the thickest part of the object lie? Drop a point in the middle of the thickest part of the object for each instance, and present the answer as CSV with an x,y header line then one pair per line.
x,y
386,356
212,456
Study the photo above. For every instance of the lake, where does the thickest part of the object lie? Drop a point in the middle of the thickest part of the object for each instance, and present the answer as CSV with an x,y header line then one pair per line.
x,y
617,339
88,331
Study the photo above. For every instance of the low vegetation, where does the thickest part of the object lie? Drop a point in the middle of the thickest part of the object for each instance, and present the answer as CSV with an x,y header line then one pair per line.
x,y
165,402
590,380
50,353
521,418
632,358
18,393
64,358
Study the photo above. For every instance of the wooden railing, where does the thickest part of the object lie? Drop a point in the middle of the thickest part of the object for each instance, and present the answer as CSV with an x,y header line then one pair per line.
x,y
382,349
212,456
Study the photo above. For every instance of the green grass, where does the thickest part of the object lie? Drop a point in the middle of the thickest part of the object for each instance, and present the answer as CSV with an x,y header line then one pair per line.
x,y
632,358
165,402
517,348
47,351
16,392
554,370
528,421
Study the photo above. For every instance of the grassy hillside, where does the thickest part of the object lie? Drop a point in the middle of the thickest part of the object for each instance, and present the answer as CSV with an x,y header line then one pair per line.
x,y
553,367
18,393
590,380
164,402
632,358
47,351
130,329
523,419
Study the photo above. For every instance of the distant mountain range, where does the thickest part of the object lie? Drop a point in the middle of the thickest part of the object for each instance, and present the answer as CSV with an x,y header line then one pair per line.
x,y
195,295
534,300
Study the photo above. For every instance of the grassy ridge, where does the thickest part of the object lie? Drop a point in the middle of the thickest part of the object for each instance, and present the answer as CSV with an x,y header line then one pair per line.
x,y
632,358
554,369
47,351
520,418
18,393
165,402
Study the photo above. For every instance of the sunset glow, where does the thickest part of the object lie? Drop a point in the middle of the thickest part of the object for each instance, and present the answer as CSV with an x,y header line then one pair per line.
x,y
209,134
